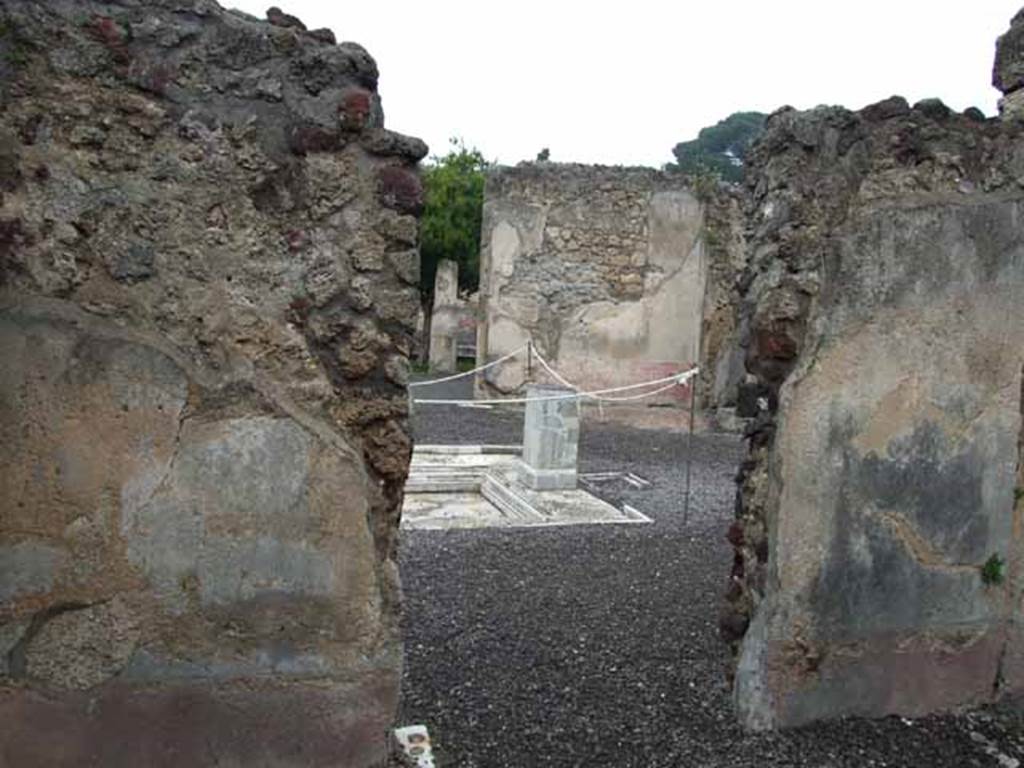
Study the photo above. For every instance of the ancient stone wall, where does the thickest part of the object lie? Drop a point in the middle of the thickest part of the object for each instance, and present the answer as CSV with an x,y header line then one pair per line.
x,y
208,259
604,268
878,536
721,353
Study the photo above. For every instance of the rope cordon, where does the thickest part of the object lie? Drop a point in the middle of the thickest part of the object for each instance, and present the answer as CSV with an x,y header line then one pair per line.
x,y
675,380
600,395
628,398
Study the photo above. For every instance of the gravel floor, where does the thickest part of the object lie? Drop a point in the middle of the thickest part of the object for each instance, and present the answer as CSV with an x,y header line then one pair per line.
x,y
598,646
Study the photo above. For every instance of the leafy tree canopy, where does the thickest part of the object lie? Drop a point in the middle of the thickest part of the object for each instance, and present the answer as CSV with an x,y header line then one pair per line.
x,y
450,227
720,148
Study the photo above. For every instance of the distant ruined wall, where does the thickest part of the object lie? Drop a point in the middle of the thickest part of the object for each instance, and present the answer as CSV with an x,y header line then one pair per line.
x,y
208,267
883,316
604,268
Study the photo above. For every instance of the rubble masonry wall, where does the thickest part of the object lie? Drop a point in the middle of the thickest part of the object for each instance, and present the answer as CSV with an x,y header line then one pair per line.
x,y
878,542
208,267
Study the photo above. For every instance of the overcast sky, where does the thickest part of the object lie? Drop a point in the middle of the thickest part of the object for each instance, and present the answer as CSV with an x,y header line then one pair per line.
x,y
622,82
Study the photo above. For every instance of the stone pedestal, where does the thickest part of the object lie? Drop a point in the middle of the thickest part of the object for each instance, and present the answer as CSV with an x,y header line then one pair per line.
x,y
551,436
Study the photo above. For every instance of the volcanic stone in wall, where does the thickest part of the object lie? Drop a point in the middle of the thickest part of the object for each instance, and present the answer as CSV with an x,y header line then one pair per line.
x,y
877,541
1008,68
208,258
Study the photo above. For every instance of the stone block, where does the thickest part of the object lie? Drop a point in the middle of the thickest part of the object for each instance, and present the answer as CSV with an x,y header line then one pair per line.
x,y
551,433
446,283
1008,68
444,332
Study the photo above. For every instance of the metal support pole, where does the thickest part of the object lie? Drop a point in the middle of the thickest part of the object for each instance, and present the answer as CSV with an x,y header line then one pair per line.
x,y
529,360
689,449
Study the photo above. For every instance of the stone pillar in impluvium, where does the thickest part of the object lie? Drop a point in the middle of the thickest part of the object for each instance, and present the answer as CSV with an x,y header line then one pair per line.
x,y
551,436
444,318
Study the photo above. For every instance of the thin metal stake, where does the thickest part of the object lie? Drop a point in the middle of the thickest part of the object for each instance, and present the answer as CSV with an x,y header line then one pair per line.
x,y
689,449
529,360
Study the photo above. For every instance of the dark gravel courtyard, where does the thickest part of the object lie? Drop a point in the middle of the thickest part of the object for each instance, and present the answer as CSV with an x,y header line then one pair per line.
x,y
598,645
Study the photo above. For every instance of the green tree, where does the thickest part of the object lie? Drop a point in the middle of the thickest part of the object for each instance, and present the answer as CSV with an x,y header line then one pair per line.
x,y
722,147
450,228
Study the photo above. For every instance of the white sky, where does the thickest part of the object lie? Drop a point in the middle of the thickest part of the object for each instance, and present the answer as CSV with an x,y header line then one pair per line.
x,y
622,82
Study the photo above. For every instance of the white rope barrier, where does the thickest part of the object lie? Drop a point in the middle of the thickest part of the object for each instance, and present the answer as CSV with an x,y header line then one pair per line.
x,y
551,371
641,396
473,372
566,383
676,379
599,395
